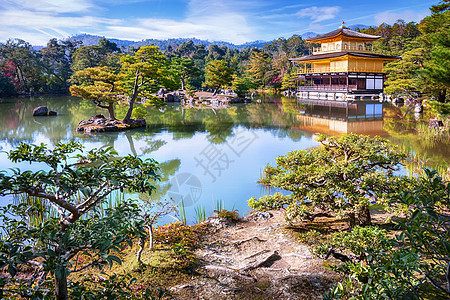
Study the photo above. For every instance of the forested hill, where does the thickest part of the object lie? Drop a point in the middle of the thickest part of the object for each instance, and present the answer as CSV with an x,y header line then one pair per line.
x,y
89,40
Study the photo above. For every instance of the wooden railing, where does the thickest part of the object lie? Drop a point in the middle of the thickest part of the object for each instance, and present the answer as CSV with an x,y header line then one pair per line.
x,y
363,49
337,70
335,87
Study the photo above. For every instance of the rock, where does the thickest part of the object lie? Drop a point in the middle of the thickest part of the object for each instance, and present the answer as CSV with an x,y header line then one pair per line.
x,y
265,262
52,113
169,98
40,111
99,123
435,123
182,287
398,100
218,271
418,108
220,222
161,92
260,215
99,116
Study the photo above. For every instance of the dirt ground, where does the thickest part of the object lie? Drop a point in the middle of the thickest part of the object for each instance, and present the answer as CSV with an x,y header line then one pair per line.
x,y
257,258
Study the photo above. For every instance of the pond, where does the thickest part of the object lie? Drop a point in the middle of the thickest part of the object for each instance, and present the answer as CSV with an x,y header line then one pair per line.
x,y
211,155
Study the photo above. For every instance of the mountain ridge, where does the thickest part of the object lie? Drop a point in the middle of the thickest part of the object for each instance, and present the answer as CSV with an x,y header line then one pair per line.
x,y
90,39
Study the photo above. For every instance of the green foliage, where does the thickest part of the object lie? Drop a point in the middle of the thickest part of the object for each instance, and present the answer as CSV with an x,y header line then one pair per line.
x,y
287,82
269,202
403,266
309,237
114,287
6,86
424,63
442,110
218,74
200,213
184,68
339,177
228,215
242,85
97,84
20,63
143,74
105,54
260,68
76,185
177,233
138,77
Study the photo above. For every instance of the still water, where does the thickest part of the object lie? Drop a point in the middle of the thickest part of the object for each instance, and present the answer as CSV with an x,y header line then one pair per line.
x,y
209,155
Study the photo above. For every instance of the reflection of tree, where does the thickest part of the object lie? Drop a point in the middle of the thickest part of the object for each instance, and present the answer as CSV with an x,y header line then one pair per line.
x,y
22,126
151,143
403,132
166,171
277,116
219,125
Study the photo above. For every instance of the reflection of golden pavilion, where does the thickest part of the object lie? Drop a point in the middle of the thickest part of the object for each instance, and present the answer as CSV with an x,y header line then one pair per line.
x,y
343,67
332,117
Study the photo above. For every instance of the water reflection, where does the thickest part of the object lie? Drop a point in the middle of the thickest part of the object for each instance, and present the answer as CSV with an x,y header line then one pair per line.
x,y
225,149
334,117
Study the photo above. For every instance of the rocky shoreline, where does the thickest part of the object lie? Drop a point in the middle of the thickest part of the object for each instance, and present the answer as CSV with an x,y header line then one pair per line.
x,y
99,123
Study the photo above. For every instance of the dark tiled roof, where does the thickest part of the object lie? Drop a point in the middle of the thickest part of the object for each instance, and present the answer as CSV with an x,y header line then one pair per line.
x,y
338,54
346,32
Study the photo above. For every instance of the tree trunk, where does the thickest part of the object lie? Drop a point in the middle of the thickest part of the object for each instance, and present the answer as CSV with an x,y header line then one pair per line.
x,y
182,84
364,218
351,220
111,111
441,96
142,244
61,291
130,110
131,142
215,91
133,98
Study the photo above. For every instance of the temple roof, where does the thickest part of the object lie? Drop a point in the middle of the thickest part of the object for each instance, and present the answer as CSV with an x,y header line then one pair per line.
x,y
339,54
343,31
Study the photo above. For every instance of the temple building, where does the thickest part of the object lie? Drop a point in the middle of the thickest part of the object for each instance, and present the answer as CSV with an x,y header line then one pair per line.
x,y
344,67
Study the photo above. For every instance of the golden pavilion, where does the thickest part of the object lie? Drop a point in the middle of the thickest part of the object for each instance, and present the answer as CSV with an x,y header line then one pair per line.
x,y
344,67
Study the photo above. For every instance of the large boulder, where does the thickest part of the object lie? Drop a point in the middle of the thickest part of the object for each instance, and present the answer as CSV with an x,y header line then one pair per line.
x,y
435,123
40,111
161,92
418,108
99,123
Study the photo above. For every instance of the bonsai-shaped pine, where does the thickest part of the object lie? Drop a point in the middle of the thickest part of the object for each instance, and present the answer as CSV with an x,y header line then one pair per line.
x,y
340,177
75,186
139,76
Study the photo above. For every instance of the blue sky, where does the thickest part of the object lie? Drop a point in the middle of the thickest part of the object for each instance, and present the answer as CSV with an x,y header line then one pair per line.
x,y
36,21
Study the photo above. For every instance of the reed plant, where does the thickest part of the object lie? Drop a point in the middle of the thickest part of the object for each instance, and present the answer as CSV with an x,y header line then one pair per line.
x,y
219,205
182,212
200,213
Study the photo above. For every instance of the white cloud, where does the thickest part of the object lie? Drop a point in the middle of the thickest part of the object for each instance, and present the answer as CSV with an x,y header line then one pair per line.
x,y
54,6
390,17
33,20
212,20
318,14
43,19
